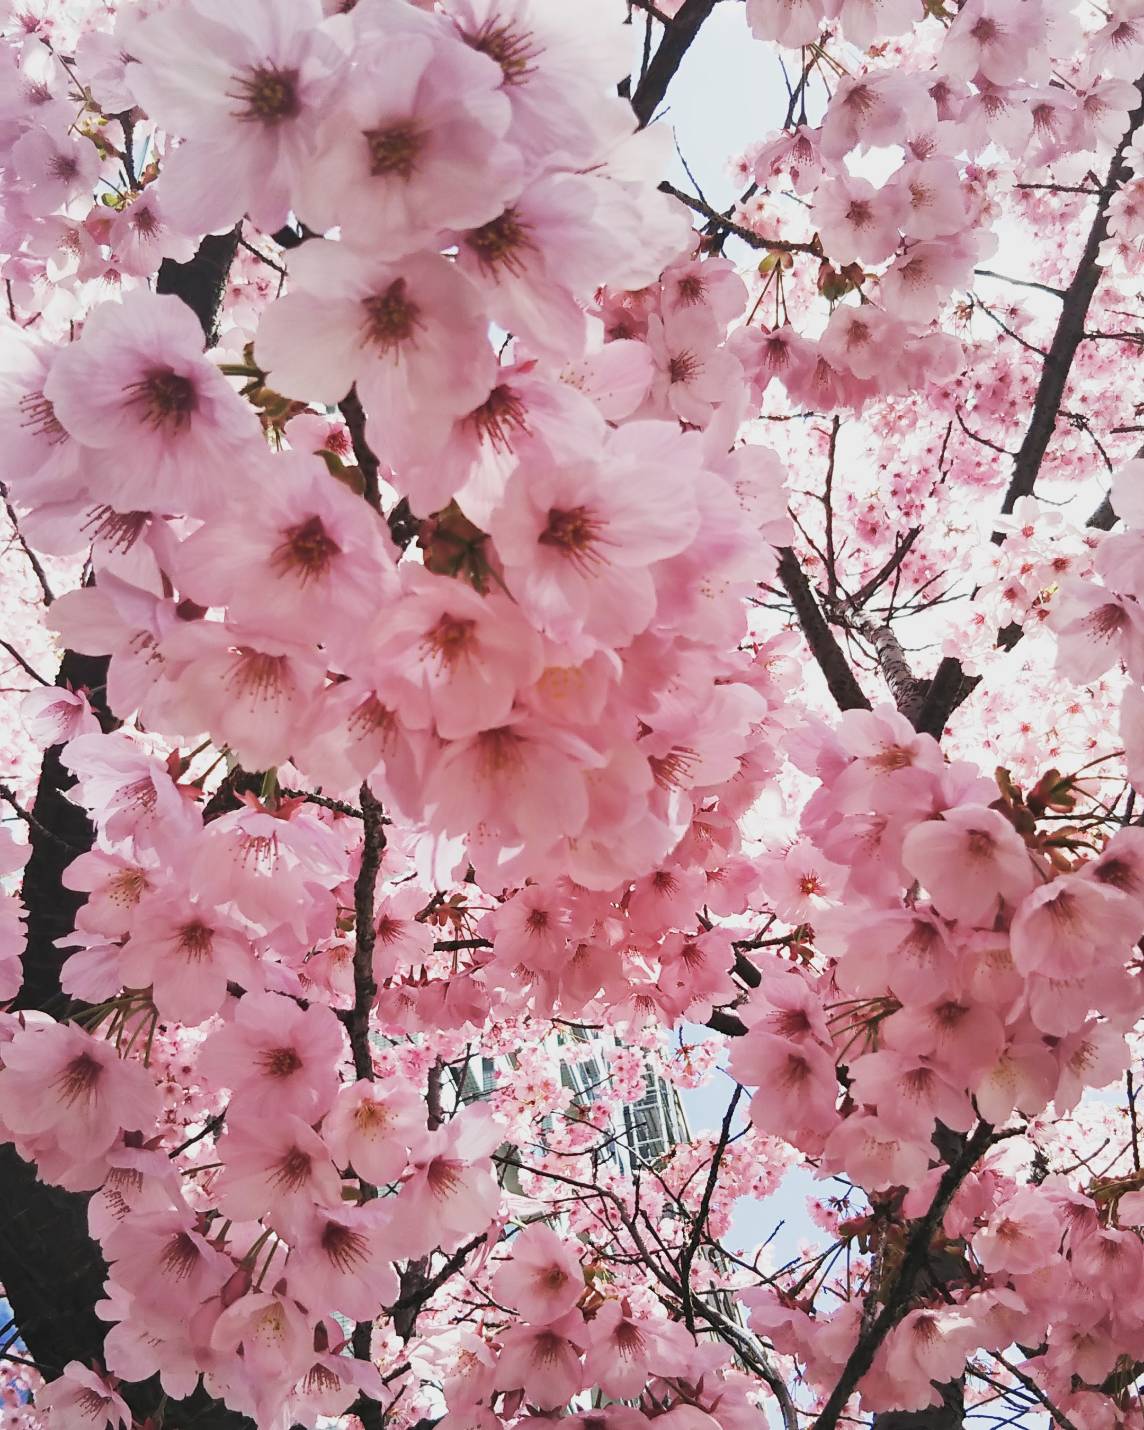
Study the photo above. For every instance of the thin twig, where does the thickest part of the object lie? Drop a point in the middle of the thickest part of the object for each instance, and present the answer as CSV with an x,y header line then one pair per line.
x,y
23,664
749,236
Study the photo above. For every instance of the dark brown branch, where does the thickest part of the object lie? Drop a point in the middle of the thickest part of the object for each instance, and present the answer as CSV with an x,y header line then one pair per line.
x,y
365,930
977,437
677,39
201,282
831,658
749,236
896,1301
948,688
950,685
365,990
1005,328
687,1256
721,1021
32,559
1034,1389
1020,282
51,1270
886,570
406,1308
23,663
1069,333
351,409
1104,518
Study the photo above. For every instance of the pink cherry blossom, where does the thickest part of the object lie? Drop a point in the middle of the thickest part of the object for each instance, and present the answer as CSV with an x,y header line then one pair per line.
x,y
410,334
64,1085
415,146
278,1170
577,539
459,659
266,77
544,1361
341,1259
162,423
450,1193
967,861
372,1127
1063,926
542,1278
275,1055
81,1399
187,955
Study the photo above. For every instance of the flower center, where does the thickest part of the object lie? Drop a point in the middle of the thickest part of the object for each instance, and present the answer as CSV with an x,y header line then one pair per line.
x,y
575,534
306,551
167,399
63,166
450,639
499,417
180,1256
443,1176
683,367
268,95
690,290
394,150
126,888
259,852
120,530
144,220
547,1347
1119,874
670,771
372,718
391,317
79,1079
346,1248
500,244
93,1406
1106,621
372,1118
513,50
196,941
985,31
629,1339
499,750
259,676
280,1062
293,1171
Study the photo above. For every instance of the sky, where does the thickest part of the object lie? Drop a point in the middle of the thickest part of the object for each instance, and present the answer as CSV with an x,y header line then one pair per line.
x,y
729,93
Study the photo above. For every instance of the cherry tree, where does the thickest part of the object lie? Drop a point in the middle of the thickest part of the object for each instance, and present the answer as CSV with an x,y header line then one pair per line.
x,y
488,631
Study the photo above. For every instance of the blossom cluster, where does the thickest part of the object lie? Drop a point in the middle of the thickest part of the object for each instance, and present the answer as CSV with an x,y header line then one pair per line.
x,y
441,694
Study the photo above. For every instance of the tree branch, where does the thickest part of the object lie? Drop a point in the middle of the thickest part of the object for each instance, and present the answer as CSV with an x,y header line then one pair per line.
x,y
749,236
1075,302
51,1270
351,409
831,658
677,40
897,1298
365,931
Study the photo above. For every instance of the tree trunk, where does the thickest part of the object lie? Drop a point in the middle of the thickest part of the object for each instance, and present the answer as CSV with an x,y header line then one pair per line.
x,y
51,1270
